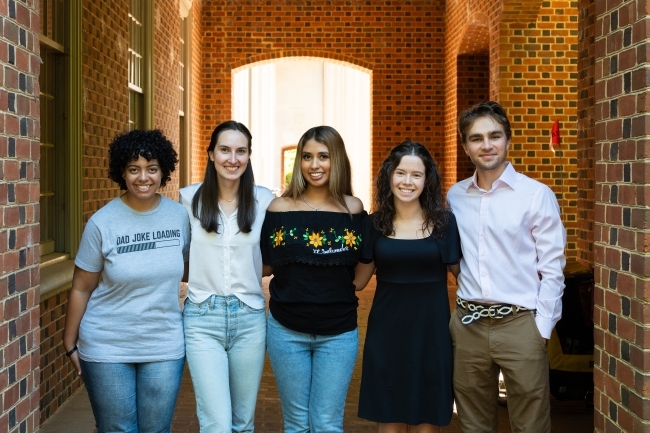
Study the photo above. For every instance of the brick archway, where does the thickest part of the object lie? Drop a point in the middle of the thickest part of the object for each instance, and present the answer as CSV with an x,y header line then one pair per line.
x,y
309,54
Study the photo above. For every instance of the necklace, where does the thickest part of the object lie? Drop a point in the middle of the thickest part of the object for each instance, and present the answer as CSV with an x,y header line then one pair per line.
x,y
229,201
315,208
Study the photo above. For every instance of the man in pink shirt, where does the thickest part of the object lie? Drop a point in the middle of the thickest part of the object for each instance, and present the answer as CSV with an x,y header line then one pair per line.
x,y
510,284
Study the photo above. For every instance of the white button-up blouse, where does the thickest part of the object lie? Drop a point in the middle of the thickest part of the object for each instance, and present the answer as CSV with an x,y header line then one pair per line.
x,y
228,262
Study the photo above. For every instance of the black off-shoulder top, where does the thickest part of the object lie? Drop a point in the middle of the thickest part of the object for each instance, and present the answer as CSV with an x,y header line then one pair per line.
x,y
313,255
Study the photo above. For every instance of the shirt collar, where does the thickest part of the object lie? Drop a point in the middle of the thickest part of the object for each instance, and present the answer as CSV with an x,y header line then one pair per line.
x,y
508,177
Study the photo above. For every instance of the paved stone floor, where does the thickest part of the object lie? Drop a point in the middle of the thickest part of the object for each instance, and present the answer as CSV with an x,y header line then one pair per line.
x,y
566,417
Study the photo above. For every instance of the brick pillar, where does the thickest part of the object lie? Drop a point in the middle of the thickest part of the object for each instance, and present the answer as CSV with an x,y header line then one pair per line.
x,y
586,130
473,86
622,215
19,232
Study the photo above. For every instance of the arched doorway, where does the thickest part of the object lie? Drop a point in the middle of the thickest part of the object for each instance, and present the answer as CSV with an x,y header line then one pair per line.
x,y
279,100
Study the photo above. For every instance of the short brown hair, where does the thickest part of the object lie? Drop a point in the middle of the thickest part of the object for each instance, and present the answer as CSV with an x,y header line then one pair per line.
x,y
489,109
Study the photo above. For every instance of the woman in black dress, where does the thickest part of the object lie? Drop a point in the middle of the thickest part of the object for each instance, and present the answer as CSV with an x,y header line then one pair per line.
x,y
406,384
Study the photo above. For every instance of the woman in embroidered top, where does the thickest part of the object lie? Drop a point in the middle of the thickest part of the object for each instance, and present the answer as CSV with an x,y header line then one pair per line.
x,y
406,382
224,314
311,240
123,309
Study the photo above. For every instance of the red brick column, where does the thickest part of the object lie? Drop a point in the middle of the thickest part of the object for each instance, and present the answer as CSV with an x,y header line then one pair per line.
x,y
622,214
19,232
586,131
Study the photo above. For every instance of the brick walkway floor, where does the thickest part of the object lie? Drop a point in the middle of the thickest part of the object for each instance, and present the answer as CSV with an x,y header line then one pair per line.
x,y
567,417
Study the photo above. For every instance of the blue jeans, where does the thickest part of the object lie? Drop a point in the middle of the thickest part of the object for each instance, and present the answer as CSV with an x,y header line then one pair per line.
x,y
133,397
313,373
225,343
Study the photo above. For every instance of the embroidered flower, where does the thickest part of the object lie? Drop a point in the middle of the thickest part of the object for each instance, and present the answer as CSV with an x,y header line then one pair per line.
x,y
350,238
279,237
316,239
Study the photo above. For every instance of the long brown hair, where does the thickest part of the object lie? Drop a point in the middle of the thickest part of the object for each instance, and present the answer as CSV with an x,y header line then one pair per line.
x,y
205,204
340,180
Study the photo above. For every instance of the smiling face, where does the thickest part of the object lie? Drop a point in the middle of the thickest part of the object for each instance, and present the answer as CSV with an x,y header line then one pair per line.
x,y
315,163
407,181
231,155
142,179
487,145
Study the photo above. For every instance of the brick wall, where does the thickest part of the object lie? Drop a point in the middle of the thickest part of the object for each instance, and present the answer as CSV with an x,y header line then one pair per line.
x,y
473,86
166,78
586,133
401,42
58,380
105,95
19,232
199,142
622,217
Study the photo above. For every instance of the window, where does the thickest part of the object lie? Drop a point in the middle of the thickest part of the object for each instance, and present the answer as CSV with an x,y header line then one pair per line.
x,y
61,138
140,79
136,64
52,81
288,160
184,109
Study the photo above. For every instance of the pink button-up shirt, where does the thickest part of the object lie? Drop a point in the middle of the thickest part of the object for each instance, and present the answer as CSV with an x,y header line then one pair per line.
x,y
513,242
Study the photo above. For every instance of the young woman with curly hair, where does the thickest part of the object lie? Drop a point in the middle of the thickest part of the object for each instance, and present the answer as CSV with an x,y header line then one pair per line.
x,y
124,330
406,382
311,239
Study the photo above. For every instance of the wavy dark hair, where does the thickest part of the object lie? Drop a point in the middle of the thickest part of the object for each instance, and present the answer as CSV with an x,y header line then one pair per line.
x,y
149,144
489,109
431,199
340,181
205,203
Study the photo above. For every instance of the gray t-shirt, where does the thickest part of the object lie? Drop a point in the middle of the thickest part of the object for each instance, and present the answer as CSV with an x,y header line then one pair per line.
x,y
134,315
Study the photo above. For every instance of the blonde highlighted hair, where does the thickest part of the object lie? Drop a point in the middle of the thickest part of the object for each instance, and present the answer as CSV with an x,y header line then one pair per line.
x,y
340,180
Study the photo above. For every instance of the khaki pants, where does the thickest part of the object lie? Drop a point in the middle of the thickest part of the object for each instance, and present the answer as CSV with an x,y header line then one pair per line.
x,y
514,345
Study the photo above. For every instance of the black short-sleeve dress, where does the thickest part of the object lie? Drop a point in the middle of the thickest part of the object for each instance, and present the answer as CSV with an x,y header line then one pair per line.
x,y
407,358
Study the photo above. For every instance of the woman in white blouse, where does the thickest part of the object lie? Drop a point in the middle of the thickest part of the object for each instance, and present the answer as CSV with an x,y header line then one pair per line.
x,y
224,315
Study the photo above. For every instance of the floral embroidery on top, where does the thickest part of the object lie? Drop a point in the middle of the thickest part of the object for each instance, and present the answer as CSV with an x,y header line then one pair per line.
x,y
349,239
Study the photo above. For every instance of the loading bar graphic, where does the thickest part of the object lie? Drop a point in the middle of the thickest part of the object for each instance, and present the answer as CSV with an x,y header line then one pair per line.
x,y
148,246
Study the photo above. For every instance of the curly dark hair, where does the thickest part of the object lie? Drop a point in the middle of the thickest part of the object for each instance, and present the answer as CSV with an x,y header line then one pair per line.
x,y
150,144
431,199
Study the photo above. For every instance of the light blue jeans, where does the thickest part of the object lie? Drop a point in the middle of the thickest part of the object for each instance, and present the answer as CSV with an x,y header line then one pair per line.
x,y
225,343
313,374
133,398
